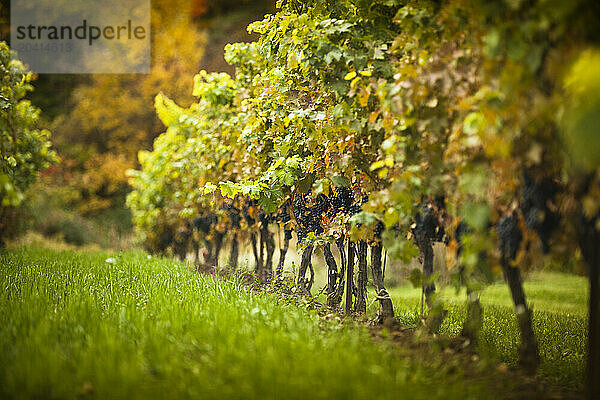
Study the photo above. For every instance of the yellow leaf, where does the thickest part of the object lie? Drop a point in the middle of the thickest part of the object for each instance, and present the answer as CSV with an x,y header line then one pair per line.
x,y
382,173
350,75
365,73
376,165
388,123
388,162
373,116
292,61
363,97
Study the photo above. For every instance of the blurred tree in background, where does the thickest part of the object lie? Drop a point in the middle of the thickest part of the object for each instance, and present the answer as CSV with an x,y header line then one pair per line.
x,y
112,115
102,121
24,149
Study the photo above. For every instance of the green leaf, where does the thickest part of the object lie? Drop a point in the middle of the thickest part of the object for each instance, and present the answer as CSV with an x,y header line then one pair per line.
x,y
416,277
340,181
305,184
476,215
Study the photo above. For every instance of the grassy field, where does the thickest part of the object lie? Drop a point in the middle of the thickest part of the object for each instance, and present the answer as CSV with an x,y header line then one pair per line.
x,y
560,305
74,326
559,301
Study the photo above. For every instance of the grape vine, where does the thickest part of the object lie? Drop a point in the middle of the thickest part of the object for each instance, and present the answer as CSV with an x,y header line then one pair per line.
x,y
386,125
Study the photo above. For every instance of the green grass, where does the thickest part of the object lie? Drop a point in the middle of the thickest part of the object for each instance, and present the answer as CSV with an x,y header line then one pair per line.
x,y
75,326
546,291
560,321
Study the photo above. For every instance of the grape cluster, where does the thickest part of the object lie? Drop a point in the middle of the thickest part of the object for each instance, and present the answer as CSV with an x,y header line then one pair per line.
x,y
299,206
535,200
341,199
234,215
427,225
510,236
283,217
308,218
321,204
355,208
165,239
204,222
379,229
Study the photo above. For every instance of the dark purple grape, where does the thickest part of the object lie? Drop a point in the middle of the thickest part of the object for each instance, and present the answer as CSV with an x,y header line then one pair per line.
x,y
354,209
341,200
204,222
308,218
426,224
535,199
379,229
510,236
321,204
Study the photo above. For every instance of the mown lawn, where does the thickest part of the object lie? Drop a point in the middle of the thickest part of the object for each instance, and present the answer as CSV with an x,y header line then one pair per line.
x,y
75,326
560,321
